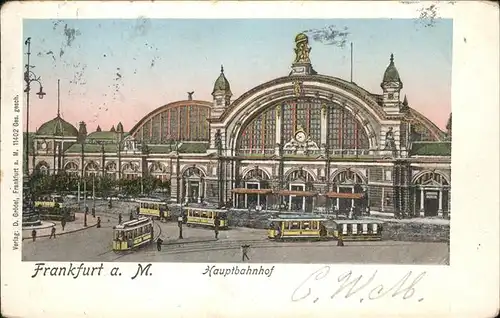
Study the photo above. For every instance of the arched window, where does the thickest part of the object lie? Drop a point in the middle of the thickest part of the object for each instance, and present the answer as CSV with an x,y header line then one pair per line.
x,y
193,172
431,178
345,131
111,167
347,177
259,136
178,122
71,168
256,174
42,168
299,175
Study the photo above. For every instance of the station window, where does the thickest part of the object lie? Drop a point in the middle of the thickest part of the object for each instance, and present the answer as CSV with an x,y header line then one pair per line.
x,y
387,175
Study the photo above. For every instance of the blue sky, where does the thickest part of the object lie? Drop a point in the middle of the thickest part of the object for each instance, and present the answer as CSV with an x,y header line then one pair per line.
x,y
158,61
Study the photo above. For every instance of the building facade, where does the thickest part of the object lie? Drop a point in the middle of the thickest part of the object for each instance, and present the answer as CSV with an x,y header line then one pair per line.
x,y
305,142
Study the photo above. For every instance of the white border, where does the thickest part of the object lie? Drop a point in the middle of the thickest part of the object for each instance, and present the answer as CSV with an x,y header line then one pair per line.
x,y
468,287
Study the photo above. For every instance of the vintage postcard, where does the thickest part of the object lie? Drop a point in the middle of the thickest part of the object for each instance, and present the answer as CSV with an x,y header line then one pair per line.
x,y
237,159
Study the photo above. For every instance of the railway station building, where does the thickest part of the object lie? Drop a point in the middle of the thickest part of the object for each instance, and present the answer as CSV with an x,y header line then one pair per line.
x,y
306,141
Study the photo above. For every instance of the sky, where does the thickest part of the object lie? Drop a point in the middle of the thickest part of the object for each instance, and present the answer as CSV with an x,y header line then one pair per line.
x,y
121,69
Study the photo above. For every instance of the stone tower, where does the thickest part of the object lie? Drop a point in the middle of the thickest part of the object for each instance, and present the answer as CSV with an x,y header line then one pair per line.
x,y
221,94
391,86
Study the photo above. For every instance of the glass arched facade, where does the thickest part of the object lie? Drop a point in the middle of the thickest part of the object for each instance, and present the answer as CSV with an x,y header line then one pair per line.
x,y
344,130
186,122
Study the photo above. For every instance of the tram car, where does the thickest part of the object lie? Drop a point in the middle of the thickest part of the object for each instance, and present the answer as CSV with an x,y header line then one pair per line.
x,y
52,207
133,234
49,201
206,217
297,227
357,230
154,208
313,227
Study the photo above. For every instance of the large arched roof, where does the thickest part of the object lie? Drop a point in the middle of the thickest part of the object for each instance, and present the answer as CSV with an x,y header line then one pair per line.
x,y
352,88
166,107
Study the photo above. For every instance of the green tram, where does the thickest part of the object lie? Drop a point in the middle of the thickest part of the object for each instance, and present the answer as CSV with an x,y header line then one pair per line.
x,y
52,207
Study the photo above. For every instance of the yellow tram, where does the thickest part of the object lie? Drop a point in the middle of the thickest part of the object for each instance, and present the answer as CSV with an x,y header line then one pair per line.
x,y
206,217
313,227
297,227
154,207
49,201
132,234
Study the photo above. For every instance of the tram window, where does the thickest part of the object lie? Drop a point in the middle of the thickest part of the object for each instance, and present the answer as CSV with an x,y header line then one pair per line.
x,y
196,213
135,232
295,226
360,228
204,214
306,226
58,199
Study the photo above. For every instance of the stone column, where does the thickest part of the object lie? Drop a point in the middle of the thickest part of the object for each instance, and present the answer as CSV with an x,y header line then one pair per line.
x,y
278,128
422,214
440,199
324,125
186,189
352,200
199,190
337,200
382,205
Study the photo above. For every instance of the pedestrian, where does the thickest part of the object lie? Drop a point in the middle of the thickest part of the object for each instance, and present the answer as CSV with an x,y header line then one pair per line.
x,y
131,216
159,241
119,218
86,209
179,223
340,241
63,223
98,222
52,232
33,235
244,251
216,226
110,205
93,212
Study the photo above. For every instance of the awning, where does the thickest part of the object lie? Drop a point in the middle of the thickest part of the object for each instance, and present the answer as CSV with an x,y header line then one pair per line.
x,y
297,193
344,195
251,191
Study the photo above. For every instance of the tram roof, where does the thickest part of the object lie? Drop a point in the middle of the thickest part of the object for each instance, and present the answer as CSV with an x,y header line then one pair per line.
x,y
205,209
150,200
298,217
365,221
131,223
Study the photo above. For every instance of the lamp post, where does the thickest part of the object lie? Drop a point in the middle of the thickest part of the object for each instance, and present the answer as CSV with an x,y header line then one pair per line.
x,y
30,77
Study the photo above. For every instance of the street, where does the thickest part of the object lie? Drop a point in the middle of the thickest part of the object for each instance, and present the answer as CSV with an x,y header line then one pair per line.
x,y
199,245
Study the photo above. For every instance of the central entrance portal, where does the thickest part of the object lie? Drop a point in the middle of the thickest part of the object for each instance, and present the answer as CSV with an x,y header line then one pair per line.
x,y
194,194
297,203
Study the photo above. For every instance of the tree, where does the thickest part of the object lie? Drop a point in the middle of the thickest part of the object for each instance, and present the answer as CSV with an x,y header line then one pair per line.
x,y
149,184
105,185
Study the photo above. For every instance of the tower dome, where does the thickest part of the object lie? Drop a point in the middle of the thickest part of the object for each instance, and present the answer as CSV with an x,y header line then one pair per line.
x,y
221,85
391,74
57,127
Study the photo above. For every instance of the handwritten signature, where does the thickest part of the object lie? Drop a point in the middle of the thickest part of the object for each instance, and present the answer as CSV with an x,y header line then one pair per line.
x,y
364,287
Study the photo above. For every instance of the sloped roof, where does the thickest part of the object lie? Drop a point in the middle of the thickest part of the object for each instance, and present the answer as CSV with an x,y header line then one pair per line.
x,y
431,149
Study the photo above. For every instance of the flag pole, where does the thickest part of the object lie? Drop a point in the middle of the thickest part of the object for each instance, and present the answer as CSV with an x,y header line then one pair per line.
x,y
351,62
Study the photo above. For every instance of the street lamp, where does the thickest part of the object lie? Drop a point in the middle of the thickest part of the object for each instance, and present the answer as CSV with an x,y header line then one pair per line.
x,y
30,77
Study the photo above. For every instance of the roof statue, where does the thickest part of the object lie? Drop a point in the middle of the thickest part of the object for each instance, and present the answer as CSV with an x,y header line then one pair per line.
x,y
98,129
302,49
190,95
